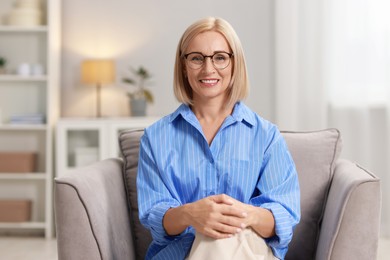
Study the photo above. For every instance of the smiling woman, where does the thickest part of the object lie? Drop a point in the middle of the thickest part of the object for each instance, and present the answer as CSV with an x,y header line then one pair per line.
x,y
199,196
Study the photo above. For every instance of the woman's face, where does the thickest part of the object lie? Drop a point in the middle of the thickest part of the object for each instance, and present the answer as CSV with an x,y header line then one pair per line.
x,y
207,82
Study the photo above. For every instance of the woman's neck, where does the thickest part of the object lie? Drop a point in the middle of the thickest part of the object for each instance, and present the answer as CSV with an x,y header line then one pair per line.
x,y
211,112
211,117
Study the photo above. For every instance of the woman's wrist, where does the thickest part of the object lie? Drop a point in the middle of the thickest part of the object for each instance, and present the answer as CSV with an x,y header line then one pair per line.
x,y
176,220
263,222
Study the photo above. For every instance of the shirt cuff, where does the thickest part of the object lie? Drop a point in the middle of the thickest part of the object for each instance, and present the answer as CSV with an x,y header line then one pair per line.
x,y
155,220
283,226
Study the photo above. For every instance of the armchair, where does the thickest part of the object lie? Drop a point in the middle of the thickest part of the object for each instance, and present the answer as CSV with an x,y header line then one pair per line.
x,y
97,213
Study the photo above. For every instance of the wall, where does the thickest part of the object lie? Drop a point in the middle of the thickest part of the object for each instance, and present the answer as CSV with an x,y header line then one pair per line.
x,y
146,33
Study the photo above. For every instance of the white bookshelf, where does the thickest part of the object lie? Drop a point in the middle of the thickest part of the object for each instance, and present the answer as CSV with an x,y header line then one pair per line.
x,y
30,95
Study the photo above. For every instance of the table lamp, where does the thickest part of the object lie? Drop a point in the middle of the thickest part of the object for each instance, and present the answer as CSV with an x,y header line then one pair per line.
x,y
98,73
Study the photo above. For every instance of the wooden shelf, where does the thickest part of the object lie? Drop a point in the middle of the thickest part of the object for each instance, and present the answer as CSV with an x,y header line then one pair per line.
x,y
18,78
24,225
23,29
17,127
22,176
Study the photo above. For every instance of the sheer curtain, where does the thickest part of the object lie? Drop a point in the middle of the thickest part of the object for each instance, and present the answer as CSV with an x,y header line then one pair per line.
x,y
332,69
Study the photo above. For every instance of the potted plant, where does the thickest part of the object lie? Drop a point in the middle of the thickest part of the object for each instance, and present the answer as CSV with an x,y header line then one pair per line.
x,y
3,62
140,96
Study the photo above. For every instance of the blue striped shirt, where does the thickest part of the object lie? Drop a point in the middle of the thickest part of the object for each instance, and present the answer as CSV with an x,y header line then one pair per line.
x,y
248,160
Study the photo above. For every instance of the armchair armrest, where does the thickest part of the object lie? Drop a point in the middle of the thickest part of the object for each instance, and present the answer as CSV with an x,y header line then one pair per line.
x,y
350,227
92,217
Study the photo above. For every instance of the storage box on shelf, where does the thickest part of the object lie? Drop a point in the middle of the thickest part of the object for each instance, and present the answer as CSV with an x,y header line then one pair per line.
x,y
17,162
29,40
15,210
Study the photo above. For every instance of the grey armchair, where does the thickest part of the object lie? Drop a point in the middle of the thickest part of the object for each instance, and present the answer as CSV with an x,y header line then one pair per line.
x,y
97,214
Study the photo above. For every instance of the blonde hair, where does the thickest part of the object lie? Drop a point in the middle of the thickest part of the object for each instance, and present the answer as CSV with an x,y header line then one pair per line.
x,y
239,85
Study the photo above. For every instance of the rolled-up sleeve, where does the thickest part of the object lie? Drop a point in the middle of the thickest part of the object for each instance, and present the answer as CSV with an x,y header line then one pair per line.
x,y
154,198
279,192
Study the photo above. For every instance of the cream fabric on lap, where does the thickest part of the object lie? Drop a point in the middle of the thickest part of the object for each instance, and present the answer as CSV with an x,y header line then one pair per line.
x,y
244,245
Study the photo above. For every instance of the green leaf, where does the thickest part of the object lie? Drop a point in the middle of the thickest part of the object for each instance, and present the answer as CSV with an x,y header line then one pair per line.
x,y
148,96
143,73
129,81
3,61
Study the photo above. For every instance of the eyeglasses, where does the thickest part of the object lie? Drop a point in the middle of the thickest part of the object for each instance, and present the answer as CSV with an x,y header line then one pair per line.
x,y
220,60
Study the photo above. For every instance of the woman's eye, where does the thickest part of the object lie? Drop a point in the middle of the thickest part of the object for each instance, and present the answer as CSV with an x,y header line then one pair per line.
x,y
197,58
219,57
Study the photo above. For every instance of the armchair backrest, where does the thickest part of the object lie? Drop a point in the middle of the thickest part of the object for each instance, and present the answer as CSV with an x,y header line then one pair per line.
x,y
129,146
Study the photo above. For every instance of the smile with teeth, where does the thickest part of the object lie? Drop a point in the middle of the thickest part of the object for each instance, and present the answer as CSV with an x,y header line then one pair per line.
x,y
209,81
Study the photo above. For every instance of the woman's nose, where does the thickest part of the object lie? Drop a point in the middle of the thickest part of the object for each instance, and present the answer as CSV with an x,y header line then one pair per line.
x,y
208,65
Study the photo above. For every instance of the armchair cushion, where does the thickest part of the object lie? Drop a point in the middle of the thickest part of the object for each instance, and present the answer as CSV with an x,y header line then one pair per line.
x,y
129,146
314,154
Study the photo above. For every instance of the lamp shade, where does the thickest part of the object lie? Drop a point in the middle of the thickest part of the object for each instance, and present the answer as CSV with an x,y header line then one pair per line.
x,y
97,71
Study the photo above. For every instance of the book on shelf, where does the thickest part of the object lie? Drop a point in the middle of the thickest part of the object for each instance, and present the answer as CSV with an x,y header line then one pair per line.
x,y
34,119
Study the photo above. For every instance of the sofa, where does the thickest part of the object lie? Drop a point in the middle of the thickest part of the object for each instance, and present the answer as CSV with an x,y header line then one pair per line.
x,y
96,208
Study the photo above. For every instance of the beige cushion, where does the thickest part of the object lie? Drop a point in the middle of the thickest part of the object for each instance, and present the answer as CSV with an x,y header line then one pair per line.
x,y
314,154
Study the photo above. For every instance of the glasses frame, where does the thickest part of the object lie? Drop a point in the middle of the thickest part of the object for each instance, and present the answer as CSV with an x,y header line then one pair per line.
x,y
211,58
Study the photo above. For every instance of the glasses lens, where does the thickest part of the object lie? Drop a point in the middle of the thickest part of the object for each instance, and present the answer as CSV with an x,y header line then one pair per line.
x,y
195,60
221,60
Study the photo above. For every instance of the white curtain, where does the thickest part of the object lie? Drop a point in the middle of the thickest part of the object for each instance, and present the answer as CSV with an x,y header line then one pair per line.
x,y
332,69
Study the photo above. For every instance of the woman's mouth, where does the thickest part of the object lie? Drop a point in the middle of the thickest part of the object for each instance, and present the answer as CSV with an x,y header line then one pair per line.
x,y
209,82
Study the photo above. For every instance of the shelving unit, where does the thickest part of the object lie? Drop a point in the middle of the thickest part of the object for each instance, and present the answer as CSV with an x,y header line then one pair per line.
x,y
99,135
30,95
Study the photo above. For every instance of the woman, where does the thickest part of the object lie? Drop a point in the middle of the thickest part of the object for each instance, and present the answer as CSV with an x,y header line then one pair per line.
x,y
214,169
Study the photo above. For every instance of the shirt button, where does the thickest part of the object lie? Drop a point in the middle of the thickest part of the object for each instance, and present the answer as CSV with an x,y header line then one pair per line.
x,y
212,161
211,193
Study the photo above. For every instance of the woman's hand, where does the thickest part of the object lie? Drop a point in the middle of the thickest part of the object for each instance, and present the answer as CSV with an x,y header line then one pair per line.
x,y
259,219
216,216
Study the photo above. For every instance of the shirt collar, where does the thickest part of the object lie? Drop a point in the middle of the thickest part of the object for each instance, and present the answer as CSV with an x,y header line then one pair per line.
x,y
240,113
183,110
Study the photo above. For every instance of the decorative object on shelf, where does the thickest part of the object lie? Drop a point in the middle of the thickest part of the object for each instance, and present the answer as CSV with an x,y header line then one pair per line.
x,y
140,96
98,72
3,63
26,13
37,69
24,69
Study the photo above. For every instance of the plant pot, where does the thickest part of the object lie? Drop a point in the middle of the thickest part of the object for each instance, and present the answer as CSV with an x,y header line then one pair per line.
x,y
138,107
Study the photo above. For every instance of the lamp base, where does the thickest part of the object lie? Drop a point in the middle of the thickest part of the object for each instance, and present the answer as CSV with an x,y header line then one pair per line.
x,y
98,90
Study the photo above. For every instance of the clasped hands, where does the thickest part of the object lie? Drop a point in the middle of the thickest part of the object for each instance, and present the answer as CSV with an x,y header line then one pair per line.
x,y
219,216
